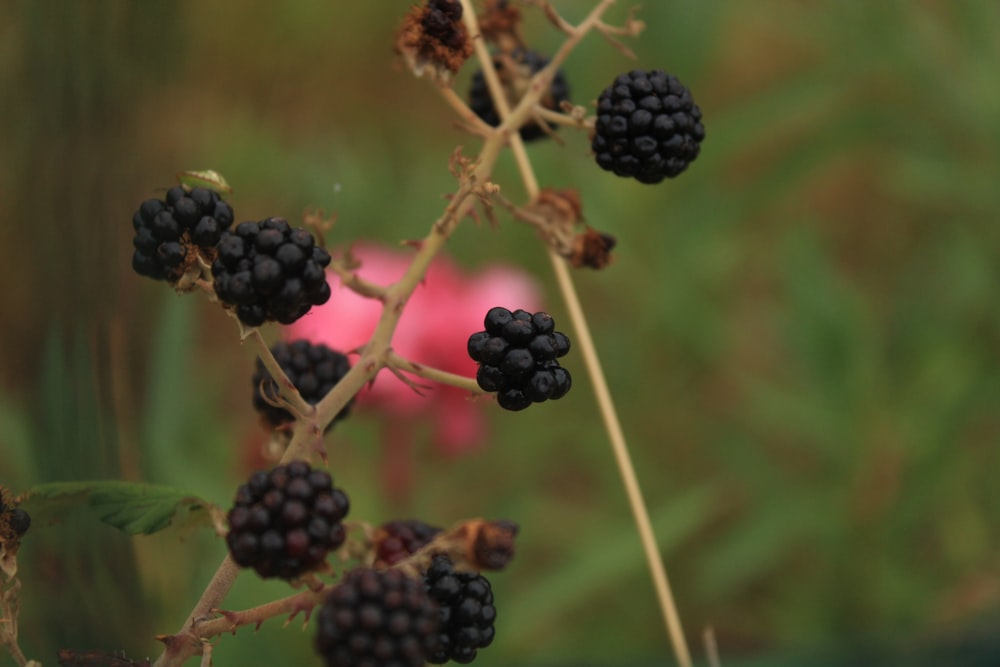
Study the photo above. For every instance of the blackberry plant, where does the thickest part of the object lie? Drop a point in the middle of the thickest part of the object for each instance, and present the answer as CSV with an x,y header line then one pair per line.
x,y
405,592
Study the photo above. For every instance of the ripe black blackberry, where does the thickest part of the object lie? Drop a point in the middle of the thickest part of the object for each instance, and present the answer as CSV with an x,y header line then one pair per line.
x,y
284,522
467,612
313,368
396,540
268,271
648,127
171,233
517,355
526,63
377,617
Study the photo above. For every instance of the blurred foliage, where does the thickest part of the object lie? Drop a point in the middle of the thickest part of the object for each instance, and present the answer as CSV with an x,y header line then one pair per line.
x,y
800,332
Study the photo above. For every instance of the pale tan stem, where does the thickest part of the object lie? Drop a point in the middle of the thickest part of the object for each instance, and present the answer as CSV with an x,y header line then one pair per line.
x,y
469,116
556,118
585,342
286,389
230,621
433,374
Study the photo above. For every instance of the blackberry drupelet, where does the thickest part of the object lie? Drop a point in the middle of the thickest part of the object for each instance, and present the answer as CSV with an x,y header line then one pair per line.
x,y
396,540
517,355
515,83
171,233
284,522
313,368
377,617
467,612
647,128
268,271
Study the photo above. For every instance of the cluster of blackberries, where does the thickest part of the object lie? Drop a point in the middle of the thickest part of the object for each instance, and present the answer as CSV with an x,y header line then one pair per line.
x,y
284,522
377,617
517,358
396,540
648,127
269,271
384,617
171,233
526,63
313,368
465,600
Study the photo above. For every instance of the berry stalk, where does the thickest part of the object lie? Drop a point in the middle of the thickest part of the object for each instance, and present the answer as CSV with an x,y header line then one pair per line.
x,y
568,290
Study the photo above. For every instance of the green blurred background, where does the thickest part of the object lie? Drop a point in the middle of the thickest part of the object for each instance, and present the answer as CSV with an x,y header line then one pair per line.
x,y
801,332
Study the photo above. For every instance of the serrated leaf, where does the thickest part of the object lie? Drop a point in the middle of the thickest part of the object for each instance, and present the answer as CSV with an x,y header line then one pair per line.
x,y
135,508
212,180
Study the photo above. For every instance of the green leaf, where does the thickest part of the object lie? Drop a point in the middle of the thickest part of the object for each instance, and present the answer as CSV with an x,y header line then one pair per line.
x,y
212,180
135,508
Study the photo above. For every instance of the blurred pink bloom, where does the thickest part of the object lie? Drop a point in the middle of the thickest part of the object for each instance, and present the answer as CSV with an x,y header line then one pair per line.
x,y
441,315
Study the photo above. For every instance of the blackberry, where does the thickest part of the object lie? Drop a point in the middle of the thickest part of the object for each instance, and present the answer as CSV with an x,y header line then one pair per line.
x,y
377,617
515,83
396,540
268,271
648,127
19,521
517,355
467,612
171,233
313,368
284,522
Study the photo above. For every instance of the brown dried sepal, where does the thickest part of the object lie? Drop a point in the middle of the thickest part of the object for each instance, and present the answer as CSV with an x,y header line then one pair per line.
x,y
493,545
500,24
556,214
434,40
592,249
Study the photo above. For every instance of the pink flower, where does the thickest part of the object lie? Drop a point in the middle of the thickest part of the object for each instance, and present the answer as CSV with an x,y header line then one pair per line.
x,y
446,308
